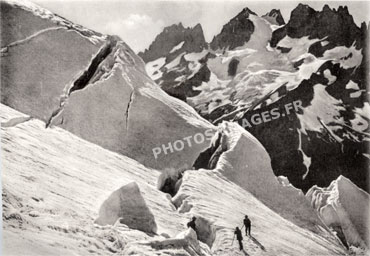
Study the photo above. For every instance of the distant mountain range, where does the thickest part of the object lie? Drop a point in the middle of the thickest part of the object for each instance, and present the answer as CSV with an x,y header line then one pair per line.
x,y
256,64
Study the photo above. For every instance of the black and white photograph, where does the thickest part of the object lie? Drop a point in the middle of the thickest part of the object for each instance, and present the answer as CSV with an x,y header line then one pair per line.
x,y
185,128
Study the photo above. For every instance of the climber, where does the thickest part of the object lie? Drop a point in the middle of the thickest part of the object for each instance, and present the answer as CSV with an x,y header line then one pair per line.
x,y
168,186
191,224
247,224
239,237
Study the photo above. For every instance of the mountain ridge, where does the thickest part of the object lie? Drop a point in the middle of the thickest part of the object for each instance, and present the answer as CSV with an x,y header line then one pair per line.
x,y
337,26
173,35
292,63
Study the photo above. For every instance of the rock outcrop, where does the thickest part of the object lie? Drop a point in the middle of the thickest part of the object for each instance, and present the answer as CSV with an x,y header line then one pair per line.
x,y
274,17
174,39
174,60
335,26
235,33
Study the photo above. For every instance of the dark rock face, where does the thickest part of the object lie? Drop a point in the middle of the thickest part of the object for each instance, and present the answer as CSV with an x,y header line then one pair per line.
x,y
235,33
337,148
283,49
275,16
186,89
233,66
192,40
333,152
172,36
337,25
219,112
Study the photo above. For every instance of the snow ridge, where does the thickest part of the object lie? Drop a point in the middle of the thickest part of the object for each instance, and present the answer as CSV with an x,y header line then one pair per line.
x,y
343,207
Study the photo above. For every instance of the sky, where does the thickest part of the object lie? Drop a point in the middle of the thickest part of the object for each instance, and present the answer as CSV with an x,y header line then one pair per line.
x,y
138,22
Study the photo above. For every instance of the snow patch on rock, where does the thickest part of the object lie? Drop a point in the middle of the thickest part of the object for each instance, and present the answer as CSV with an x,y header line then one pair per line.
x,y
299,46
347,57
175,62
177,47
352,85
153,68
323,106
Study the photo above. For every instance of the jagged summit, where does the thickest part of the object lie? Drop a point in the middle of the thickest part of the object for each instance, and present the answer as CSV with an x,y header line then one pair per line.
x,y
173,39
236,32
336,26
173,27
247,10
274,17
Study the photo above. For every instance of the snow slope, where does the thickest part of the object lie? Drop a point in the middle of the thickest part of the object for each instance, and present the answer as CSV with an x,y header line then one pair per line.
x,y
54,184
345,208
247,164
98,90
209,194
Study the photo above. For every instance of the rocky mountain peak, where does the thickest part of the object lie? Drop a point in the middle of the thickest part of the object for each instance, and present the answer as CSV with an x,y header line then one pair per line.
x,y
302,13
173,39
343,9
302,7
173,28
337,26
274,17
326,8
246,10
236,32
198,27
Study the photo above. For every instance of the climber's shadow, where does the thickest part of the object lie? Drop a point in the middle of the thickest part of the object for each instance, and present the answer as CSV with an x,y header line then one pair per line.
x,y
245,253
257,243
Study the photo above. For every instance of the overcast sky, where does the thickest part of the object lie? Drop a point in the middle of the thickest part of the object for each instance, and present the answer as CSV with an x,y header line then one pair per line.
x,y
137,22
